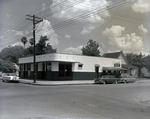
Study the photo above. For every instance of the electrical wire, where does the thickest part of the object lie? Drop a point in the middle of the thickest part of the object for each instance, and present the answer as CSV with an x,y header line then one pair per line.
x,y
78,18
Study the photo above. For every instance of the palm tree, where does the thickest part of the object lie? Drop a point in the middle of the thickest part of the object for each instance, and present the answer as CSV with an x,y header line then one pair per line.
x,y
31,41
24,40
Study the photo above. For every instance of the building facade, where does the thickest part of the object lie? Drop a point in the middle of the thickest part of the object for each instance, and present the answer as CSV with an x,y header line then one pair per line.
x,y
68,67
130,69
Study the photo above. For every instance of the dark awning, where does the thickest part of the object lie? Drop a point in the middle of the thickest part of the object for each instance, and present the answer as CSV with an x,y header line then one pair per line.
x,y
129,66
114,68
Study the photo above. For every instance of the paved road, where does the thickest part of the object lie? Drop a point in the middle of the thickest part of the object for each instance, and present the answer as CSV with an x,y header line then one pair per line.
x,y
112,101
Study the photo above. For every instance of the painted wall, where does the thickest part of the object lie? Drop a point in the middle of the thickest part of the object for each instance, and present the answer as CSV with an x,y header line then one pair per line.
x,y
122,60
87,61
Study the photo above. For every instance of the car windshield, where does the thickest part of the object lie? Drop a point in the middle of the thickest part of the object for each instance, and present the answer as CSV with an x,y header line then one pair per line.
x,y
124,76
106,76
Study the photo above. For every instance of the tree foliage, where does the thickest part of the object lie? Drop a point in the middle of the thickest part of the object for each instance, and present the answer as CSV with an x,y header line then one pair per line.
x,y
24,40
31,41
40,48
136,60
147,62
9,56
12,53
6,66
91,49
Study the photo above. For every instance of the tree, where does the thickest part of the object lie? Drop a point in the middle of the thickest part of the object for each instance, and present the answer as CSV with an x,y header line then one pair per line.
x,y
136,60
7,66
147,62
12,53
31,41
91,49
24,40
9,56
41,47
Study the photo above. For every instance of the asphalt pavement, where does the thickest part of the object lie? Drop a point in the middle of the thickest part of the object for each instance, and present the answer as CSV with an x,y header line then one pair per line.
x,y
111,101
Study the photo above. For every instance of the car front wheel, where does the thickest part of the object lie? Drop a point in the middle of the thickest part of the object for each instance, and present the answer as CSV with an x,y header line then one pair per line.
x,y
104,82
116,82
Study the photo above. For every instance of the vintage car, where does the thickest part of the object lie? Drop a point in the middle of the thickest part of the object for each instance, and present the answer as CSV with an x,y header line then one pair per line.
x,y
127,79
106,79
10,77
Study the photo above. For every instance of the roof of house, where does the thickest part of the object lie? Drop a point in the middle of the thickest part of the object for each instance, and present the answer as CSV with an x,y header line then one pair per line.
x,y
116,55
112,55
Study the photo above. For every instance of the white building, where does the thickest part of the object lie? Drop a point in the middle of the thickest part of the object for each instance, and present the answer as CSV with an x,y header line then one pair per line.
x,y
68,67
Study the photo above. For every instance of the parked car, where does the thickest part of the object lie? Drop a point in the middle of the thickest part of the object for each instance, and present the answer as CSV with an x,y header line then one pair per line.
x,y
127,79
10,78
106,79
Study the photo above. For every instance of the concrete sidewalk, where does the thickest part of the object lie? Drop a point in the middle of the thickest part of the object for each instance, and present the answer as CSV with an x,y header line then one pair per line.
x,y
55,83
76,82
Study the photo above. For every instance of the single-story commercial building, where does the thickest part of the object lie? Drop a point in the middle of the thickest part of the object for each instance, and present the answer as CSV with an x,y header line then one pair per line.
x,y
56,66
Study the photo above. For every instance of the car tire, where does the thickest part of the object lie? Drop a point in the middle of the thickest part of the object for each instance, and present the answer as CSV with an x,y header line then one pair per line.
x,y
104,82
115,82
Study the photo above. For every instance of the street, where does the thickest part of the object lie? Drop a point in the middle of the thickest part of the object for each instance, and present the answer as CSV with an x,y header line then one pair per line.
x,y
111,101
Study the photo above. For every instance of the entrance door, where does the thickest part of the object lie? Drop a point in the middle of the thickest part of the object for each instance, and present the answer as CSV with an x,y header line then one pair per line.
x,y
97,71
65,71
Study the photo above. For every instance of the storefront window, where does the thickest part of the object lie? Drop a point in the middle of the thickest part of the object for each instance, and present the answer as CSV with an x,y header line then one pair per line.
x,y
29,69
48,66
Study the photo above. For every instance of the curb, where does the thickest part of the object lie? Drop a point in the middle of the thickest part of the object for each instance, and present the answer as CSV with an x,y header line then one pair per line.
x,y
37,84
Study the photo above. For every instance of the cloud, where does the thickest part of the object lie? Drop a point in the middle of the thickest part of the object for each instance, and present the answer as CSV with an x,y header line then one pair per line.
x,y
141,27
141,6
77,8
43,6
8,15
20,33
17,43
67,36
87,29
45,29
73,50
114,31
1,37
129,42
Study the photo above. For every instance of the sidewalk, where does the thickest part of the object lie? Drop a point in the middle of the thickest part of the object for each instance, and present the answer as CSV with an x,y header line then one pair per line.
x,y
55,83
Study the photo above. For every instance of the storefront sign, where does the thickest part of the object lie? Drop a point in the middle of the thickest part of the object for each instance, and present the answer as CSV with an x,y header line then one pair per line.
x,y
116,65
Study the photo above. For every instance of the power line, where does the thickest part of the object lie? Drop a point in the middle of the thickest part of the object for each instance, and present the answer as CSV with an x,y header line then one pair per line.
x,y
102,11
26,25
83,16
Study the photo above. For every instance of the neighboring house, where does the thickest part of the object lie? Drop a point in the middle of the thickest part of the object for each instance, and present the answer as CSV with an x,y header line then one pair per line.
x,y
145,72
130,69
56,66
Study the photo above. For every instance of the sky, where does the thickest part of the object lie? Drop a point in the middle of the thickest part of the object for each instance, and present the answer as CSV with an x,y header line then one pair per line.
x,y
69,24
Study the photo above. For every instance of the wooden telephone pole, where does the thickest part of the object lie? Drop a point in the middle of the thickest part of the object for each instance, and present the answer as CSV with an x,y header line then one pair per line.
x,y
35,20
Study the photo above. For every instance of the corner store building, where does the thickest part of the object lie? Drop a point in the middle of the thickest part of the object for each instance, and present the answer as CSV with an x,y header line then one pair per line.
x,y
56,66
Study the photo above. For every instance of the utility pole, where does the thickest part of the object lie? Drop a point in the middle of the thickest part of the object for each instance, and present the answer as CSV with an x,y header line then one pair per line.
x,y
35,20
122,45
